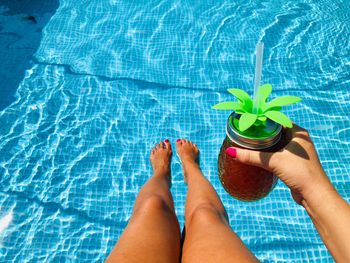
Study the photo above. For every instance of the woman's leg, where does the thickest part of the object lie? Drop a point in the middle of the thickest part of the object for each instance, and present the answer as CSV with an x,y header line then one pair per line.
x,y
153,233
209,237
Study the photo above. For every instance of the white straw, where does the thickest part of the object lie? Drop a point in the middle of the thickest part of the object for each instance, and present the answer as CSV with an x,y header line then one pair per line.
x,y
258,71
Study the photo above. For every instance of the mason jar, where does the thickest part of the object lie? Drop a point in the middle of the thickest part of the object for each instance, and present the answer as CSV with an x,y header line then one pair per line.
x,y
245,182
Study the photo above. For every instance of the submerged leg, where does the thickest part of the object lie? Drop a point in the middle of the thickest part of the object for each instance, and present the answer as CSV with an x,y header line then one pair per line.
x,y
209,237
153,233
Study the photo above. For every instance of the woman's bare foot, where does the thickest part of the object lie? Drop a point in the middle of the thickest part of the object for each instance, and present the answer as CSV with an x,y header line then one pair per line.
x,y
188,153
160,158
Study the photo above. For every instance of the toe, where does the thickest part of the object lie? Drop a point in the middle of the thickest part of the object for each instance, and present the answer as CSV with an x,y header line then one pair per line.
x,y
160,145
153,151
156,147
167,144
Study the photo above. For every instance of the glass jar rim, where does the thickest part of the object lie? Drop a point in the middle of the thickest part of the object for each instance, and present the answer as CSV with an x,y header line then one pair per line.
x,y
273,129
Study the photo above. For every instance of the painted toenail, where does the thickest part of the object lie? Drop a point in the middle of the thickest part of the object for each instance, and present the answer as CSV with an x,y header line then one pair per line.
x,y
167,141
178,140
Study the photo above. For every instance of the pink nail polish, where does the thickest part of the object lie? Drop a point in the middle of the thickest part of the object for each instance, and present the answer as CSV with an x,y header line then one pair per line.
x,y
178,140
167,141
231,152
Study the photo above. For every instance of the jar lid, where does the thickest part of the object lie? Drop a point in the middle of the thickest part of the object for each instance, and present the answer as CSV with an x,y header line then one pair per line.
x,y
256,137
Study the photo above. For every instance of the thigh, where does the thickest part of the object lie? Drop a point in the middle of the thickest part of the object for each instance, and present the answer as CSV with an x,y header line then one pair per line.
x,y
209,238
152,235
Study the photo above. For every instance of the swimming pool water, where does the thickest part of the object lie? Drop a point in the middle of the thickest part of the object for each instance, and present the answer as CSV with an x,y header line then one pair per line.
x,y
113,78
20,34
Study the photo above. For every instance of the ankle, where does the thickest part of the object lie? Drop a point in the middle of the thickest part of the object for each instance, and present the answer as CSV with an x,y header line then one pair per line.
x,y
189,165
188,161
163,170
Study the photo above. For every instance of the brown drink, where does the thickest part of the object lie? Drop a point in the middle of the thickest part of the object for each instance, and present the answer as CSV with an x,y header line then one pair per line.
x,y
245,182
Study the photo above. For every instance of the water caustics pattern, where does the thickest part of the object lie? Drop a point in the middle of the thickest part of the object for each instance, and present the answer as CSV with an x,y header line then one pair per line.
x,y
114,77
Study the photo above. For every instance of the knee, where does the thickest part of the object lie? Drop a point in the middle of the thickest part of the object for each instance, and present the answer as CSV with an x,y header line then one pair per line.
x,y
207,214
154,204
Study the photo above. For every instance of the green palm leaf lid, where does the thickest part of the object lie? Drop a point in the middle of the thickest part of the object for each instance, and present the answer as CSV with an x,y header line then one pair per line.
x,y
265,110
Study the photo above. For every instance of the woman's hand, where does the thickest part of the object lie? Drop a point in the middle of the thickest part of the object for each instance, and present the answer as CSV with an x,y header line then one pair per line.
x,y
297,164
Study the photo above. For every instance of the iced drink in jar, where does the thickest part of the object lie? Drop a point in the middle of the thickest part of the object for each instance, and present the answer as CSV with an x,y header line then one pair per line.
x,y
245,182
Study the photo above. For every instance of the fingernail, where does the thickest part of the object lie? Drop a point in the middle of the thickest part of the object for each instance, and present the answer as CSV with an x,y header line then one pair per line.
x,y
166,141
231,152
178,140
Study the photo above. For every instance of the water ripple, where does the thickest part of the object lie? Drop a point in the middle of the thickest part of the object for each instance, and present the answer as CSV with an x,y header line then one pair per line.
x,y
113,79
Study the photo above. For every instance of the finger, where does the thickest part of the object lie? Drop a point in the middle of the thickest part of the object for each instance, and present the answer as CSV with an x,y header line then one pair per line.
x,y
266,160
297,134
297,129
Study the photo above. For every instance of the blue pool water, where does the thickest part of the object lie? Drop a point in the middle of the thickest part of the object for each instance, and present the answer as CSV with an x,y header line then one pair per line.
x,y
111,78
21,23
